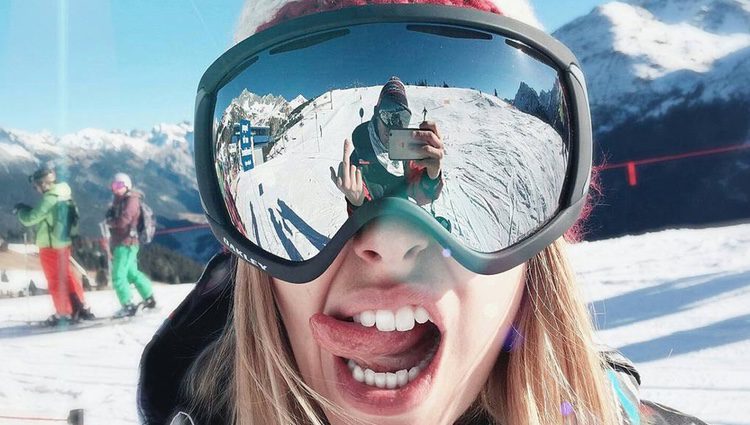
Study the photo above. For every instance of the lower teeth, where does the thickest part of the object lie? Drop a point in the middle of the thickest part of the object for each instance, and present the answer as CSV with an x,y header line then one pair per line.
x,y
389,380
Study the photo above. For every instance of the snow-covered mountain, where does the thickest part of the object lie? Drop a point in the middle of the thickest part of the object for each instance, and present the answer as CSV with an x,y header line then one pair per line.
x,y
645,57
543,105
156,160
260,110
159,161
668,78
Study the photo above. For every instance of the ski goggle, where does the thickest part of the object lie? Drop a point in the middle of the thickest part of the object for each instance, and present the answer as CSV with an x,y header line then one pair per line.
x,y
395,118
509,103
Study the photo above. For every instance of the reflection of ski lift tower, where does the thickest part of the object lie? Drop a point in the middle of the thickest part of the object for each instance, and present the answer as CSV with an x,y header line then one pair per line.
x,y
252,141
317,138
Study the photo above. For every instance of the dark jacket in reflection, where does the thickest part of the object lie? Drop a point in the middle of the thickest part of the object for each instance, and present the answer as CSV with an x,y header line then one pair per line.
x,y
378,182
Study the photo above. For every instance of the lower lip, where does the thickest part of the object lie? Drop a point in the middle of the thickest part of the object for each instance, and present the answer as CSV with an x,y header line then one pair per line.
x,y
384,402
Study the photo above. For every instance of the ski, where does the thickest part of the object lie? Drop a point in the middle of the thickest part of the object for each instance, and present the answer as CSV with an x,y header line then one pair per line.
x,y
41,327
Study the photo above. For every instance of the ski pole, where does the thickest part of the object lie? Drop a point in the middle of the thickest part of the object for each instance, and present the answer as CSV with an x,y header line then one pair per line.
x,y
75,417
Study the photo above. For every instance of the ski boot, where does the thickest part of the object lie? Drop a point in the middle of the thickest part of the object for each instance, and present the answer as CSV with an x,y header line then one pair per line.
x,y
80,310
127,310
149,303
58,321
84,314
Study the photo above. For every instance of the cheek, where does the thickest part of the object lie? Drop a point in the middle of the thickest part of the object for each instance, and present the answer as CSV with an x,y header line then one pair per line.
x,y
297,303
488,307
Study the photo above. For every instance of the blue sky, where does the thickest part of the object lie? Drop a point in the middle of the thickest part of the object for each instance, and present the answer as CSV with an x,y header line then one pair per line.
x,y
124,64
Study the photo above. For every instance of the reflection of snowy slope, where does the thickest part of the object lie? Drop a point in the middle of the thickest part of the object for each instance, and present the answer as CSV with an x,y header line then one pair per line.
x,y
494,154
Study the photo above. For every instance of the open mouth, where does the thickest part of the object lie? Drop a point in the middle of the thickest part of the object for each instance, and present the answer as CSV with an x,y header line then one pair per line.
x,y
381,349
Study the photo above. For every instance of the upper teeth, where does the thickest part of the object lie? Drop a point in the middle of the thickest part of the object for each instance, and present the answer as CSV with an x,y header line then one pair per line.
x,y
386,320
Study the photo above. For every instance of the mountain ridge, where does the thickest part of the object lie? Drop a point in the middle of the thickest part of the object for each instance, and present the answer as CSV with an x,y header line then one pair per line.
x,y
638,64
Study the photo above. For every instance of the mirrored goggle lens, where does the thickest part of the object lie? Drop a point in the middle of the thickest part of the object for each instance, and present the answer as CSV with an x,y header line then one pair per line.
x,y
499,110
395,119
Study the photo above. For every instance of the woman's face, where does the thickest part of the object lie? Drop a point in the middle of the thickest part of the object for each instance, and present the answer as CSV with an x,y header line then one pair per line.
x,y
341,327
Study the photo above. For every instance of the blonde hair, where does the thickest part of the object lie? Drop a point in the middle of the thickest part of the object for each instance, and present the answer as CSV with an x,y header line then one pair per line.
x,y
553,375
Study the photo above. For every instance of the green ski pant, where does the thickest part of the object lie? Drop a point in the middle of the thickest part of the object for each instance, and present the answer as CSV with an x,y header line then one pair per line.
x,y
125,271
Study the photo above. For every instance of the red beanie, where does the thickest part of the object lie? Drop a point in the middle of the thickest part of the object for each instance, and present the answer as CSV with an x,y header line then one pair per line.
x,y
395,92
297,8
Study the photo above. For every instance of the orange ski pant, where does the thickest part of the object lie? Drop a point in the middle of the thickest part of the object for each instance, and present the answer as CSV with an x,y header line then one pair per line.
x,y
61,282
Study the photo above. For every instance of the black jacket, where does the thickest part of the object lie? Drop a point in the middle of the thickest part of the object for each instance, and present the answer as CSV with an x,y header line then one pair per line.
x,y
378,182
201,318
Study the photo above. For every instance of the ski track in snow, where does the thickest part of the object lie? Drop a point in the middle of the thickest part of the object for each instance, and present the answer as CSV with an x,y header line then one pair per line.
x,y
675,302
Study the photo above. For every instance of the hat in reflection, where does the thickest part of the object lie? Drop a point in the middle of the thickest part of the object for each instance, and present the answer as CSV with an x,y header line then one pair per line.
x,y
393,93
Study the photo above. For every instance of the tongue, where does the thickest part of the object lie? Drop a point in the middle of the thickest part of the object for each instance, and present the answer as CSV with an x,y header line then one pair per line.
x,y
369,347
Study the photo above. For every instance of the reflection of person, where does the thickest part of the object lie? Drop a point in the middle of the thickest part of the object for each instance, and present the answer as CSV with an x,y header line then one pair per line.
x,y
122,218
392,332
366,171
52,220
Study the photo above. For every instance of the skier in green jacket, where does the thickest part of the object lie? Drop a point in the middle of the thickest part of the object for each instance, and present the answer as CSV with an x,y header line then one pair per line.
x,y
52,221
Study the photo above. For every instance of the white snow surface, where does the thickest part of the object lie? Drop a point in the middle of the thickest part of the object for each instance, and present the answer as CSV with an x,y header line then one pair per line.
x,y
23,248
95,369
676,302
643,57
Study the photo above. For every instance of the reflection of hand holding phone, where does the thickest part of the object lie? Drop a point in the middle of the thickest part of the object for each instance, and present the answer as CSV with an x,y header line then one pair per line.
x,y
402,145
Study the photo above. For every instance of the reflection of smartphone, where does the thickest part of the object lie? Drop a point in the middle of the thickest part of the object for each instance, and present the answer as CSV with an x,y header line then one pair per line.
x,y
403,146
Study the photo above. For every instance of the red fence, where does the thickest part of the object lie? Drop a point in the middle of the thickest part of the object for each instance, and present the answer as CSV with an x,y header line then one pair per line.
x,y
630,166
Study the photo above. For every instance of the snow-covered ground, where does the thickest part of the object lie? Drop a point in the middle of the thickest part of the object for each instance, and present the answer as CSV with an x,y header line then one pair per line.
x,y
94,369
676,302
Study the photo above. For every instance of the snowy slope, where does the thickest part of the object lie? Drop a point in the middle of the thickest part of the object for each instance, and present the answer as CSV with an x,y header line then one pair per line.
x,y
297,219
95,369
643,57
675,302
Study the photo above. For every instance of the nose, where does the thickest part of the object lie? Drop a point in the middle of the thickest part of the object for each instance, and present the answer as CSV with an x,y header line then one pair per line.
x,y
390,244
